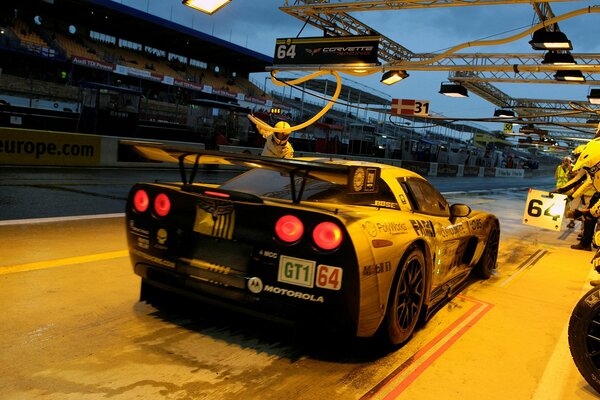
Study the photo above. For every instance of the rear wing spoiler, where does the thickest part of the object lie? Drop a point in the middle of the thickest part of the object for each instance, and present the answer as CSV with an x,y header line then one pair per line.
x,y
357,178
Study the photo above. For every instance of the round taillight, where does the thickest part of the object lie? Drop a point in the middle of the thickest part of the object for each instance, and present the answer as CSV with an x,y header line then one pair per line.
x,y
162,205
141,201
327,235
289,228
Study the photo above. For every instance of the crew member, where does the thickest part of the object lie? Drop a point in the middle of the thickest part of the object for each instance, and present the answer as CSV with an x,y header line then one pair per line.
x,y
277,144
589,161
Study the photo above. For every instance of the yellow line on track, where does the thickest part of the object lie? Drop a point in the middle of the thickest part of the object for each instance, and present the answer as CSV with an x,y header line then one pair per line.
x,y
11,269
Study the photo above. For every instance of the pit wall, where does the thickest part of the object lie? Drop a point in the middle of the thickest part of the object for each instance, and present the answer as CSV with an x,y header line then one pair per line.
x,y
50,148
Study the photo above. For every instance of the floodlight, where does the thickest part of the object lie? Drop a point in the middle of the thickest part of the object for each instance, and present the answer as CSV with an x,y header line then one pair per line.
x,y
594,96
569,76
453,90
556,58
206,6
391,77
550,40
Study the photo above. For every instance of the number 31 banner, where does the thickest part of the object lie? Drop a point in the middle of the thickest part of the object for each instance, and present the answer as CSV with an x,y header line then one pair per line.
x,y
544,209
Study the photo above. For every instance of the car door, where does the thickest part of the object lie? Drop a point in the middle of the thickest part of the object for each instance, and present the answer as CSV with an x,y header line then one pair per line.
x,y
432,218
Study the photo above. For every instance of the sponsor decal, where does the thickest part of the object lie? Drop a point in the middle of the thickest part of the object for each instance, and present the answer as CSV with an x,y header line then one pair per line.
x,y
161,236
592,299
294,294
370,227
476,224
312,52
386,204
154,259
296,271
378,268
137,231
255,285
423,228
452,230
392,228
268,254
215,218
143,243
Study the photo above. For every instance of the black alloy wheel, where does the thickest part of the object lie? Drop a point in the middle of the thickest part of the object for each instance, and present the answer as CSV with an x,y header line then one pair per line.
x,y
487,263
407,296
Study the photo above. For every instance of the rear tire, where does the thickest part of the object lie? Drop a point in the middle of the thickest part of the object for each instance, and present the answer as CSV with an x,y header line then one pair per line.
x,y
487,263
584,331
406,297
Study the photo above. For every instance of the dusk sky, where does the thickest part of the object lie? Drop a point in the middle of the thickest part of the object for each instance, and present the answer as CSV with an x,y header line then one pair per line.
x,y
257,24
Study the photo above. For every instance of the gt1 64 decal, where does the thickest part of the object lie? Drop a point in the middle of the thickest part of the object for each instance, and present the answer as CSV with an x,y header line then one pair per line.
x,y
300,272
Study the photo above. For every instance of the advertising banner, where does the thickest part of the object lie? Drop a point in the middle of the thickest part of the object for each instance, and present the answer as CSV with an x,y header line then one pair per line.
x,y
28,147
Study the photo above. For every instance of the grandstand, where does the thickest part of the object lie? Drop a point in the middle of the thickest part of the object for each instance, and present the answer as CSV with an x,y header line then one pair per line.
x,y
52,50
100,67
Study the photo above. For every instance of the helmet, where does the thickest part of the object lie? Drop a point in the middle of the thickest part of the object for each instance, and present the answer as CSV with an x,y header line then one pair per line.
x,y
279,136
589,158
577,152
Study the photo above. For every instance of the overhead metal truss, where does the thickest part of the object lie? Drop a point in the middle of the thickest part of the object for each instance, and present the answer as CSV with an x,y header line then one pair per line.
x,y
474,71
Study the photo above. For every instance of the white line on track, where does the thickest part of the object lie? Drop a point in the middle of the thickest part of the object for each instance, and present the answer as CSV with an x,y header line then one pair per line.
x,y
58,219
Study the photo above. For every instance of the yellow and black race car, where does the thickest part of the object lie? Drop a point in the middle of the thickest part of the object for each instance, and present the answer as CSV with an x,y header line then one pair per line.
x,y
352,245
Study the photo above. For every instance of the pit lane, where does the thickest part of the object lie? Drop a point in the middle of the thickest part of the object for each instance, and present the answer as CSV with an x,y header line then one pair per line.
x,y
72,327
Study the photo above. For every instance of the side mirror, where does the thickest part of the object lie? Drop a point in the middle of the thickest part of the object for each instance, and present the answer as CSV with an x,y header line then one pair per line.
x,y
460,210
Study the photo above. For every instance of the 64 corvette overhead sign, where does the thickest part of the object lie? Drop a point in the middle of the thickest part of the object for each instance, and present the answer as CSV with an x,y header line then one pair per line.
x,y
327,50
544,210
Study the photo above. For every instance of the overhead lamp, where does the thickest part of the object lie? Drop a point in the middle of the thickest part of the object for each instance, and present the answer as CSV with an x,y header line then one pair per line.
x,y
206,6
594,96
550,40
504,113
391,77
574,75
453,90
556,58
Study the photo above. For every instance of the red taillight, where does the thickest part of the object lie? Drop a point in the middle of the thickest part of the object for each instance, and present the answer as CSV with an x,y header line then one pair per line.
x,y
140,201
327,235
289,228
162,205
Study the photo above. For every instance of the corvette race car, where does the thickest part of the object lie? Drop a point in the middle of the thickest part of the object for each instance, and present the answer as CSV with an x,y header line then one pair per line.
x,y
360,247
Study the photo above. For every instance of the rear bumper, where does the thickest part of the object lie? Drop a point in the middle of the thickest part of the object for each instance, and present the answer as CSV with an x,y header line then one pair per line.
x,y
273,307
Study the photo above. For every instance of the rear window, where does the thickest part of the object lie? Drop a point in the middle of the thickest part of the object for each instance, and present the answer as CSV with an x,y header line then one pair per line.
x,y
266,183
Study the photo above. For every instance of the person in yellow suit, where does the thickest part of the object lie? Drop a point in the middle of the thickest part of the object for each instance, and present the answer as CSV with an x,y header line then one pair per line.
x,y
277,142
562,172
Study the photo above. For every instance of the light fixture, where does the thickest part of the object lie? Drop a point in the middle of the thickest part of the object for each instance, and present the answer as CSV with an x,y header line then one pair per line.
x,y
504,113
453,90
569,76
550,40
391,77
206,6
556,58
594,96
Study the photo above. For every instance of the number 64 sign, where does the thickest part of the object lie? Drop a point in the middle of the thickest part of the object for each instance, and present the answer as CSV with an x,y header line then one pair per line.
x,y
544,209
